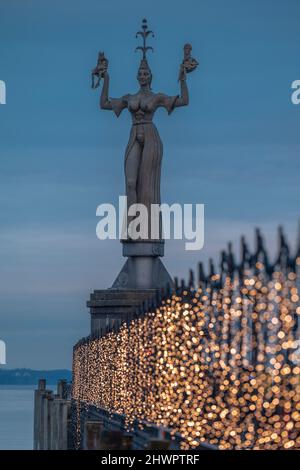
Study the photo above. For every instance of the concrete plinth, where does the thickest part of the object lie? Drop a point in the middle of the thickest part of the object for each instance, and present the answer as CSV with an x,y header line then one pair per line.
x,y
110,307
142,275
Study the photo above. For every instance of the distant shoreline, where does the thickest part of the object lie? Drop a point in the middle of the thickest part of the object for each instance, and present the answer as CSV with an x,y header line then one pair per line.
x,y
31,377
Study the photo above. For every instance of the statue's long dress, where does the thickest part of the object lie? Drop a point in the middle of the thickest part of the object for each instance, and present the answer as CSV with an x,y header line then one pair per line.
x,y
149,172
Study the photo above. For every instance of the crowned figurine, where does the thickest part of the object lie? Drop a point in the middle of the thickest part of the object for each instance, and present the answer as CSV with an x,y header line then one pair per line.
x,y
189,64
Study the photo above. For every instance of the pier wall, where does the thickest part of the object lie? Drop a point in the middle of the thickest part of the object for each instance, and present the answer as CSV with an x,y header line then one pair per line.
x,y
52,417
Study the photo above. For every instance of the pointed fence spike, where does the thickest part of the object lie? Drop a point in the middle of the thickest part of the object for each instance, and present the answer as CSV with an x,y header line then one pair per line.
x,y
191,279
201,273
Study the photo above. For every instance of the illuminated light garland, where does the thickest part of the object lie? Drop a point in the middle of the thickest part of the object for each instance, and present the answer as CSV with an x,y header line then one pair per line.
x,y
217,364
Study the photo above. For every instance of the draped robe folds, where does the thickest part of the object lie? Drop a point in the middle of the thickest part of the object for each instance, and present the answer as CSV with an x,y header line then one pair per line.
x,y
149,169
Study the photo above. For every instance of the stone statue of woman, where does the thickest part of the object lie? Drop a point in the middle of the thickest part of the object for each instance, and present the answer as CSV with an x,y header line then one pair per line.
x,y
143,268
144,151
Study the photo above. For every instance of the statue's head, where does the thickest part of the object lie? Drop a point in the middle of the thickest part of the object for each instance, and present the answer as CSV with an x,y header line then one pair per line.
x,y
144,74
187,48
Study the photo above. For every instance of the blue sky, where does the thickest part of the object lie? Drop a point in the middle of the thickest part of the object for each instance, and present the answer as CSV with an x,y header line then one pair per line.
x,y
235,148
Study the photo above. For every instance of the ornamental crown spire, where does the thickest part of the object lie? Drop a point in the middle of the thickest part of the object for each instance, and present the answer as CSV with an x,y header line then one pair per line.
x,y
144,34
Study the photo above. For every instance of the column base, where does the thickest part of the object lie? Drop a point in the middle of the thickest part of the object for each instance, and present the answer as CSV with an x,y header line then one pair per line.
x,y
143,272
142,275
143,269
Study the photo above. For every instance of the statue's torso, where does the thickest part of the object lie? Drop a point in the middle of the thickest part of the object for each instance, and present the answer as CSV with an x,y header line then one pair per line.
x,y
142,106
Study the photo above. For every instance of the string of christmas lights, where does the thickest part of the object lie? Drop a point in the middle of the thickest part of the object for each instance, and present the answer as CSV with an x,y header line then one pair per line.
x,y
218,363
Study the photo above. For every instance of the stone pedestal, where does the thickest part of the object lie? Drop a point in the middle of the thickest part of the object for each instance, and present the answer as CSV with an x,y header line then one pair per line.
x,y
143,269
142,275
110,307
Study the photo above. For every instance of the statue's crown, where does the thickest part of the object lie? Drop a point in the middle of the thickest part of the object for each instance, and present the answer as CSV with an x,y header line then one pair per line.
x,y
144,48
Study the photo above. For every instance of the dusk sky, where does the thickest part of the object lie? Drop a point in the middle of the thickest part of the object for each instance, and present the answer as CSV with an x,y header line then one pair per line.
x,y
235,148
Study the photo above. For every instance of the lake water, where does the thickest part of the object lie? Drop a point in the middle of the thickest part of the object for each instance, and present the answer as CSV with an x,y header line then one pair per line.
x,y
16,416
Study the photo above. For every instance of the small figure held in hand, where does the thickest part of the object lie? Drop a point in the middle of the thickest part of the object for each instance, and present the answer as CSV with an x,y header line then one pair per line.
x,y
189,64
100,69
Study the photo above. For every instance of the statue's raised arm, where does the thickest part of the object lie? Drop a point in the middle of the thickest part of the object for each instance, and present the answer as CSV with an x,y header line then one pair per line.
x,y
183,99
100,72
188,65
171,102
104,100
114,104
